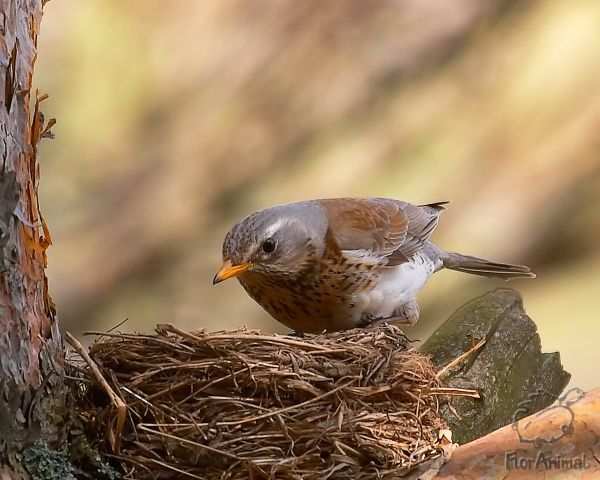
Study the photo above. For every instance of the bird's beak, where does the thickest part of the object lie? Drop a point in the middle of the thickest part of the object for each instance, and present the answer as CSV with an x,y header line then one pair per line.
x,y
228,270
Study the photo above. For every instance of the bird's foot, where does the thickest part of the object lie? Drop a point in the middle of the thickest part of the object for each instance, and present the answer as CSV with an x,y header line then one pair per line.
x,y
405,315
372,321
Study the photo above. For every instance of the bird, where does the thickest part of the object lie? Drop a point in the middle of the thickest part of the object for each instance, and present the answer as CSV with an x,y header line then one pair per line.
x,y
340,263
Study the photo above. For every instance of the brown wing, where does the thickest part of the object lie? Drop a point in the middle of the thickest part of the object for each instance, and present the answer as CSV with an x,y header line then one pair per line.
x,y
387,228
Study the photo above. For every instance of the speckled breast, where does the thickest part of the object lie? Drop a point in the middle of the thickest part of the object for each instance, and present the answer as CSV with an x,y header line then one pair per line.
x,y
321,300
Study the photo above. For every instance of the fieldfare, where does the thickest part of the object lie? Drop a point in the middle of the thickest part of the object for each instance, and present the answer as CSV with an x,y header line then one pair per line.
x,y
341,263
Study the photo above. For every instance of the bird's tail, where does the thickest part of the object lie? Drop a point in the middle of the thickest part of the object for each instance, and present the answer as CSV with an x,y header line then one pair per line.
x,y
485,268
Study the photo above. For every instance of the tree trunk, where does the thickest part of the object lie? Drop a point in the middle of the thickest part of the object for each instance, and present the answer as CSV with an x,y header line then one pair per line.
x,y
32,392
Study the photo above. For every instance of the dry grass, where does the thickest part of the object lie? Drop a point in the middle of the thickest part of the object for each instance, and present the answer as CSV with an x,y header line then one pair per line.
x,y
359,404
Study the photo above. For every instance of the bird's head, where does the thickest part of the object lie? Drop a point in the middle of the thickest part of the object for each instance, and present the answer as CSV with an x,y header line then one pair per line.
x,y
282,241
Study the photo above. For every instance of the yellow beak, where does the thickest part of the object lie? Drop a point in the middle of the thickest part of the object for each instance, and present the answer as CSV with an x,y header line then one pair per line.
x,y
228,270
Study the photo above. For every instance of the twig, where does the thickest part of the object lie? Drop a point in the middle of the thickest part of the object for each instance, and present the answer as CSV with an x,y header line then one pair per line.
x,y
136,337
119,404
461,357
455,392
189,442
175,469
287,409
264,338
121,323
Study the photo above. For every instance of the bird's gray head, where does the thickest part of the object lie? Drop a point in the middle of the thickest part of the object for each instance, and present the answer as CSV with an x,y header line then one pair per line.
x,y
278,241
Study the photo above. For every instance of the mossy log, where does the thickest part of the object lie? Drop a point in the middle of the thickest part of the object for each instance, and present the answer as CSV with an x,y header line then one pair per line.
x,y
512,375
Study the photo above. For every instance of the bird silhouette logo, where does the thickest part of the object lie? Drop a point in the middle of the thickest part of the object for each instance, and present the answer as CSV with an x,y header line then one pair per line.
x,y
530,429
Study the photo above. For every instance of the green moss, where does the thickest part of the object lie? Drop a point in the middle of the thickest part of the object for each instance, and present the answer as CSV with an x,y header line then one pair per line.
x,y
79,460
42,463
88,459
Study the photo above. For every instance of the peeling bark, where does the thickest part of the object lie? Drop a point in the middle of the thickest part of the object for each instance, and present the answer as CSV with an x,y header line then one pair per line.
x,y
32,393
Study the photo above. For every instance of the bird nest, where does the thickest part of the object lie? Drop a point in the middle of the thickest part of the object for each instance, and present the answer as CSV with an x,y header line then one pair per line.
x,y
359,404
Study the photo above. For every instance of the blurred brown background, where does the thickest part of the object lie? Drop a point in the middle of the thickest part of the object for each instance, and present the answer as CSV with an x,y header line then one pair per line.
x,y
175,119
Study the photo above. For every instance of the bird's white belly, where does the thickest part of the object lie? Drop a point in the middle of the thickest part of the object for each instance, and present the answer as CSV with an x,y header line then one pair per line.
x,y
397,286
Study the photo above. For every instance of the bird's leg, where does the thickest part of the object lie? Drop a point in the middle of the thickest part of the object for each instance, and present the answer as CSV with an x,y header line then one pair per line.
x,y
407,314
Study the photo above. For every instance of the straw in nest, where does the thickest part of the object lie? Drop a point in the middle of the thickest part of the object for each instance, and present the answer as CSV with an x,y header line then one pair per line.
x,y
359,404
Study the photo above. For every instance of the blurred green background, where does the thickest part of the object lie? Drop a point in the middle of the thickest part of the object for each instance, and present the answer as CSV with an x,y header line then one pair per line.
x,y
175,119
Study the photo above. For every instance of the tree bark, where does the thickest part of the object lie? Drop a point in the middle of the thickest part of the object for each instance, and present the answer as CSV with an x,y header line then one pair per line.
x,y
32,392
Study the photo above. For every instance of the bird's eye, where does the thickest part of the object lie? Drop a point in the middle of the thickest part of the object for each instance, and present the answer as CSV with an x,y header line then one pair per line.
x,y
269,245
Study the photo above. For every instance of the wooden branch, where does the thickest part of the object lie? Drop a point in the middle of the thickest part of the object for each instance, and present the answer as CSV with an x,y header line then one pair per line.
x,y
120,406
561,441
444,371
